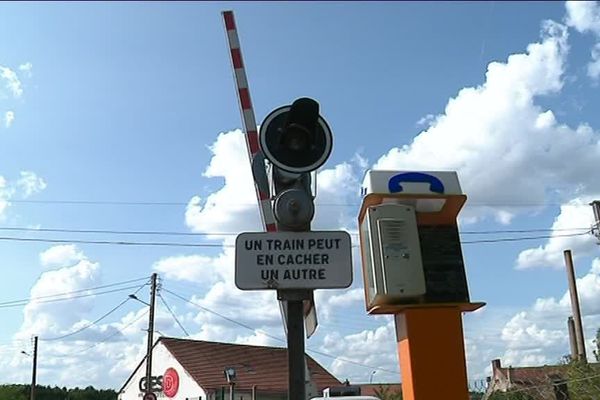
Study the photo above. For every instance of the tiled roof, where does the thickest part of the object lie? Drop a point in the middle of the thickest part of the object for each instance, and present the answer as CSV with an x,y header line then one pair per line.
x,y
371,389
265,367
531,375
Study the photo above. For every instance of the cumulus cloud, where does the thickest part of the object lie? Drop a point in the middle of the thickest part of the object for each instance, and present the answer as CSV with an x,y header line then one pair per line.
x,y
538,335
371,347
584,16
56,318
569,231
61,255
507,149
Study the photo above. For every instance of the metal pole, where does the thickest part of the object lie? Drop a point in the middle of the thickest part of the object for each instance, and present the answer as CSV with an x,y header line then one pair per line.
x,y
295,345
150,335
575,306
253,392
572,339
34,372
231,391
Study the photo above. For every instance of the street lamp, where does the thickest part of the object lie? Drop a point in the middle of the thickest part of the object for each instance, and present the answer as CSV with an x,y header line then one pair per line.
x,y
371,377
134,297
230,376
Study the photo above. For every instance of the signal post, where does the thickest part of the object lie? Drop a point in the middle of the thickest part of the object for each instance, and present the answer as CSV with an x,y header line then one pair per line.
x,y
413,269
294,260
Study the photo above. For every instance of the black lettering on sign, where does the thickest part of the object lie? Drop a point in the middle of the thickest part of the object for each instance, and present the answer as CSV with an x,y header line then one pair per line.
x,y
253,245
299,259
323,244
269,274
264,259
303,273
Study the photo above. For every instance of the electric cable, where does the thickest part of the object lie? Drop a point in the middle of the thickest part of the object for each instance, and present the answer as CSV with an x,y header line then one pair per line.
x,y
518,239
193,234
173,315
275,337
69,298
105,315
73,292
109,242
217,245
112,334
471,203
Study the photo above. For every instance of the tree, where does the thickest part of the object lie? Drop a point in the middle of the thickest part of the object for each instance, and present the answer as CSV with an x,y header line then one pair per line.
x,y
385,393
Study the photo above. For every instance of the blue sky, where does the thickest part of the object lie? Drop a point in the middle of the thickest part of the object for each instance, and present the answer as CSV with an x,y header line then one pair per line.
x,y
135,102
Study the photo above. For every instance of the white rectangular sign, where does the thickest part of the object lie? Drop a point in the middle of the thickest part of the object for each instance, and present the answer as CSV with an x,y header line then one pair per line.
x,y
293,260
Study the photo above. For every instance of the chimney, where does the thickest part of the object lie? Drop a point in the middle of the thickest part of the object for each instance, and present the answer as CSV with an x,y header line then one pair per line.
x,y
575,307
496,365
572,338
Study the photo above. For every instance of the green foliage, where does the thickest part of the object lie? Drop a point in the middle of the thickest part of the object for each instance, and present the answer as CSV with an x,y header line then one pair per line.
x,y
510,396
385,393
21,392
583,381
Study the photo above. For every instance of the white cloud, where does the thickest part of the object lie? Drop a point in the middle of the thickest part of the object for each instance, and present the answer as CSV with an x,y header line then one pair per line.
x,y
49,319
61,255
584,16
369,350
11,81
576,213
507,149
26,69
30,183
426,120
9,117
593,68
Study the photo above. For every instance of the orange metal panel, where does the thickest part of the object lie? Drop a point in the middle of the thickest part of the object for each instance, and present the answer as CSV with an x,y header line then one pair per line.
x,y
432,354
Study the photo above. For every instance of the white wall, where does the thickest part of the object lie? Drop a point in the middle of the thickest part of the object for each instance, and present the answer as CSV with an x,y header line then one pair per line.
x,y
161,360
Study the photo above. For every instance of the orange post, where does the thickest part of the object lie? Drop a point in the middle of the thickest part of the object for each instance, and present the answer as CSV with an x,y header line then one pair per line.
x,y
432,353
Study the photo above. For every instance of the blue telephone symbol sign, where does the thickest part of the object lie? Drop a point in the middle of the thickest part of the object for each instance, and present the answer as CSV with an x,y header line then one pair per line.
x,y
435,185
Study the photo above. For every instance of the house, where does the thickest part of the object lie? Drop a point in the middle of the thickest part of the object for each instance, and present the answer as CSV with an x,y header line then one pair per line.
x,y
548,382
186,369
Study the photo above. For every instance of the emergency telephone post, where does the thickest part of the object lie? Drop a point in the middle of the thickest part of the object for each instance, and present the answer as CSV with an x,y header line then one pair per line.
x,y
413,269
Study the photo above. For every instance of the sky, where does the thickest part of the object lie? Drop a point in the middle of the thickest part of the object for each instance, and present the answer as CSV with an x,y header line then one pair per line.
x,y
123,117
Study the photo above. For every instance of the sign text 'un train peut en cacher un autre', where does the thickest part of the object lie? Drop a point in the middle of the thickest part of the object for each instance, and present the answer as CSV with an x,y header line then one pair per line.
x,y
293,260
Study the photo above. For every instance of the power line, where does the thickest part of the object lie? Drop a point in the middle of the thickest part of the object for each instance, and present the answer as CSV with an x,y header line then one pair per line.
x,y
178,233
116,232
523,238
179,203
109,242
107,338
275,337
217,245
173,315
73,292
95,321
70,297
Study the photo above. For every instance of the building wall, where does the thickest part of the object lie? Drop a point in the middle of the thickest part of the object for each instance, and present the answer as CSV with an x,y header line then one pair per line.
x,y
161,360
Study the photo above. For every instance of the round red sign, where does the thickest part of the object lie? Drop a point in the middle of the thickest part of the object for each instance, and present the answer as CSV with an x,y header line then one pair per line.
x,y
170,382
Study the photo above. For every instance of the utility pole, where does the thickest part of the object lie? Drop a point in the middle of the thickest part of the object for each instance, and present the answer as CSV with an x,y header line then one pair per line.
x,y
150,335
575,306
34,372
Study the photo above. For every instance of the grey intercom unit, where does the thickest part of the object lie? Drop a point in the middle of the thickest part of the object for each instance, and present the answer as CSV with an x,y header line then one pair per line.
x,y
392,254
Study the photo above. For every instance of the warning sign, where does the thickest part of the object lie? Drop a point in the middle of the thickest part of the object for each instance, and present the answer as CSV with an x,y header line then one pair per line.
x,y
293,260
